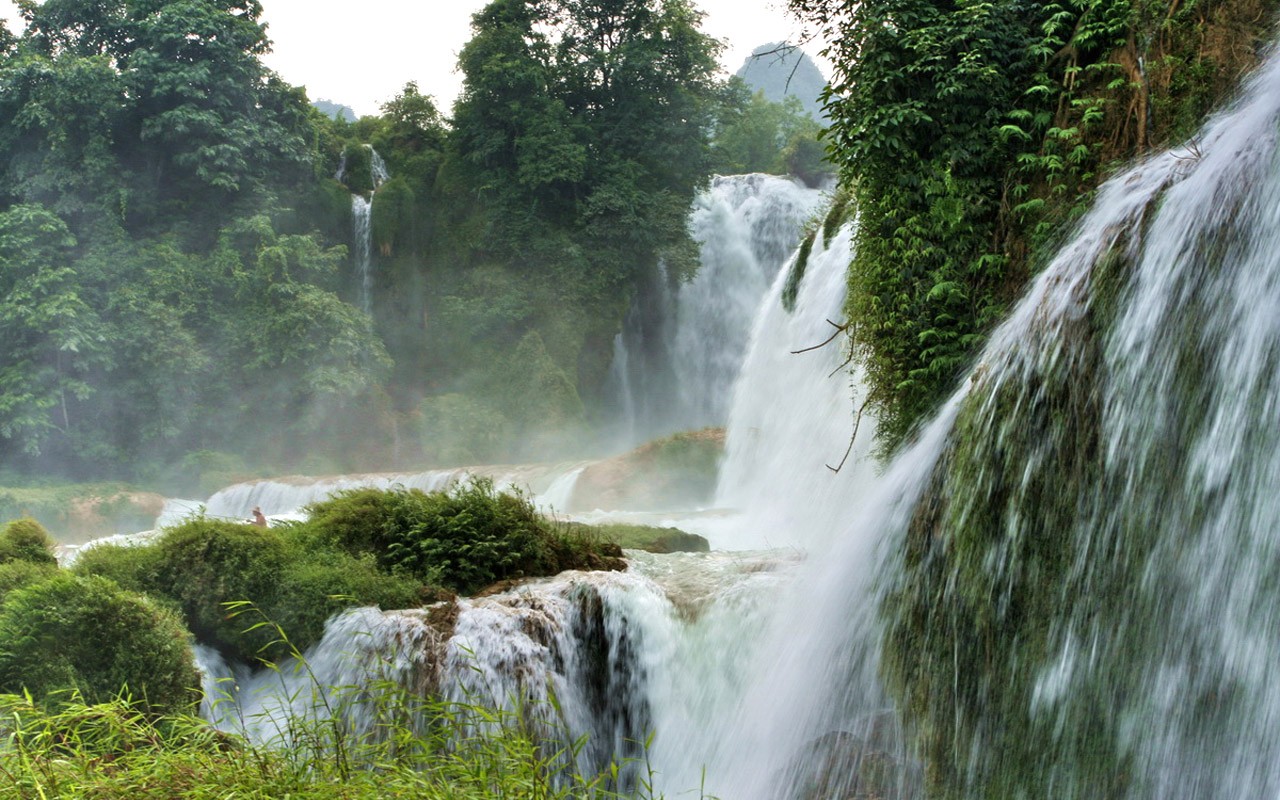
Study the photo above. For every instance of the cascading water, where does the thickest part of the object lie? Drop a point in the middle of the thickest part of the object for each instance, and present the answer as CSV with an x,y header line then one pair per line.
x,y
1069,583
680,352
1082,591
664,647
362,227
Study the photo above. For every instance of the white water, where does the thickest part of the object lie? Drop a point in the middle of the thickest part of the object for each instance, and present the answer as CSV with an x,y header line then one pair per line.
x,y
680,352
794,414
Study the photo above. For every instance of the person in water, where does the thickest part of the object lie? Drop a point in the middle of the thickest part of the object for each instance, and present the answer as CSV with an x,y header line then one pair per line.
x,y
259,518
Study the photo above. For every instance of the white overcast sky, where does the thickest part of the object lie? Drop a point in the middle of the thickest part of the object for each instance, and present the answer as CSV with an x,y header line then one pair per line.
x,y
360,52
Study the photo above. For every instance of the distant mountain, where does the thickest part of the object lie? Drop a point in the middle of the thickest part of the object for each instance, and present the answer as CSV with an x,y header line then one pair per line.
x,y
779,70
335,110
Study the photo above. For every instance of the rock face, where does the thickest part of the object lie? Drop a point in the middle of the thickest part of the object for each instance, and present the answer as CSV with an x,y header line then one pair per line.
x,y
672,473
780,71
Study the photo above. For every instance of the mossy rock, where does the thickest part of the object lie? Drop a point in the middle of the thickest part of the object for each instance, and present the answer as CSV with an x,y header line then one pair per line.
x,y
653,539
679,471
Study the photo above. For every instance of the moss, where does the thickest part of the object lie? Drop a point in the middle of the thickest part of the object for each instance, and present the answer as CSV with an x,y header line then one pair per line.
x,y
392,216
795,274
89,635
357,169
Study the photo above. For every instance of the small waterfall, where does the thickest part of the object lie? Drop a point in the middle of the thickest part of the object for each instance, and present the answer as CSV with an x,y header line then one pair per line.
x,y
362,227
680,351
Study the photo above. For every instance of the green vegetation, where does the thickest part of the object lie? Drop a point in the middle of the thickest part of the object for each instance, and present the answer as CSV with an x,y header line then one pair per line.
x,y
115,751
972,132
462,541
26,540
757,135
88,635
652,539
398,548
176,280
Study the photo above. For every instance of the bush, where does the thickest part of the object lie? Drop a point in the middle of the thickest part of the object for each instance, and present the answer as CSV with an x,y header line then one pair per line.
x,y
135,568
653,539
205,563
320,584
89,635
462,540
20,574
26,540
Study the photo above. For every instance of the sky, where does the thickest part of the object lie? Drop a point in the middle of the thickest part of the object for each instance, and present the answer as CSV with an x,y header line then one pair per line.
x,y
361,52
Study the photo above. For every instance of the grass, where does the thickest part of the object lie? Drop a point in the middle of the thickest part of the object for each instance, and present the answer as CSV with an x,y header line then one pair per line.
x,y
410,747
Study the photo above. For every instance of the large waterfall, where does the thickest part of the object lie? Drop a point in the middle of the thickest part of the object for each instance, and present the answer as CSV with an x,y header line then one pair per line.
x,y
681,349
1066,585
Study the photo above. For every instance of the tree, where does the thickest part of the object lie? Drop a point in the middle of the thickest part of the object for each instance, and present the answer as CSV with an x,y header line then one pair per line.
x,y
52,337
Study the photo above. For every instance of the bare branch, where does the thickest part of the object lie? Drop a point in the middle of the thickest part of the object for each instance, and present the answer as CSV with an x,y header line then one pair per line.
x,y
839,330
857,423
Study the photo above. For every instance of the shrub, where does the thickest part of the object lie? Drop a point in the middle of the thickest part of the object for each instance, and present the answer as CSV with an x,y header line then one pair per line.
x,y
653,539
89,635
319,584
205,563
462,540
135,568
26,540
20,574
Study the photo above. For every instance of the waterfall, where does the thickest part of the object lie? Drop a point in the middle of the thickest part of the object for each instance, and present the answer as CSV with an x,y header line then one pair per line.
x,y
362,227
1076,564
680,350
794,413
1067,584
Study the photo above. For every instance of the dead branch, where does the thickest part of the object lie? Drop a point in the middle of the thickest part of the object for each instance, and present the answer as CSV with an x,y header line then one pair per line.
x,y
839,330
857,422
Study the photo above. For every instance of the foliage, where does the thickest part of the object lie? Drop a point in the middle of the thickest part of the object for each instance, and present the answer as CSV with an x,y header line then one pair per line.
x,y
318,584
88,635
200,566
20,574
26,540
757,135
971,132
204,563
463,540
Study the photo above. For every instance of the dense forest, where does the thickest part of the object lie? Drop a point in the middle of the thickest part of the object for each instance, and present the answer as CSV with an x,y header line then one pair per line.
x,y
179,275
